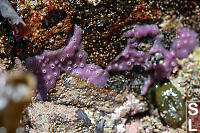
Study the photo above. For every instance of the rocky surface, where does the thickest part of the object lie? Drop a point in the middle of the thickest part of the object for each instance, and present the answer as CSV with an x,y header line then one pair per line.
x,y
74,105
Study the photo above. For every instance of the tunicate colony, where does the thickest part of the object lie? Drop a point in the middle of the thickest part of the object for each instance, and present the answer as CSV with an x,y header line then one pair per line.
x,y
72,59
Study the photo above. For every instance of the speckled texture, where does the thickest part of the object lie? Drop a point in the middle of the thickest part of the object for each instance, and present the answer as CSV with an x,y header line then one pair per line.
x,y
187,79
70,59
165,60
7,11
92,110
57,118
87,108
185,44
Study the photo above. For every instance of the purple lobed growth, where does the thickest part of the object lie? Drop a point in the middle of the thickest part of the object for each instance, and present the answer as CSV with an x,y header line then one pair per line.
x,y
130,56
70,59
93,73
185,44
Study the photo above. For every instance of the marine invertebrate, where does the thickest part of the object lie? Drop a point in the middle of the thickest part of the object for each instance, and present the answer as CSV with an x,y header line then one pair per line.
x,y
103,27
156,58
94,73
170,104
16,90
130,56
185,44
71,59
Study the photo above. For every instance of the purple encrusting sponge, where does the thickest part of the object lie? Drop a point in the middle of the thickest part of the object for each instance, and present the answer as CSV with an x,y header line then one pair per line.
x,y
185,44
130,56
70,59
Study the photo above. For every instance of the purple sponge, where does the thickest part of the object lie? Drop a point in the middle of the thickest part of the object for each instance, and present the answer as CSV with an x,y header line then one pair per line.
x,y
166,60
185,44
181,48
70,59
130,57
93,73
162,69
142,31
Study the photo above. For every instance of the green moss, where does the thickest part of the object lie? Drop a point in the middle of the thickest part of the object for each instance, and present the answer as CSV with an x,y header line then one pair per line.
x,y
171,104
118,79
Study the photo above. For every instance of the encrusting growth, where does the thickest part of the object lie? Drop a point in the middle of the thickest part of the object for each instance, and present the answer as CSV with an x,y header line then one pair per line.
x,y
72,59
157,58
